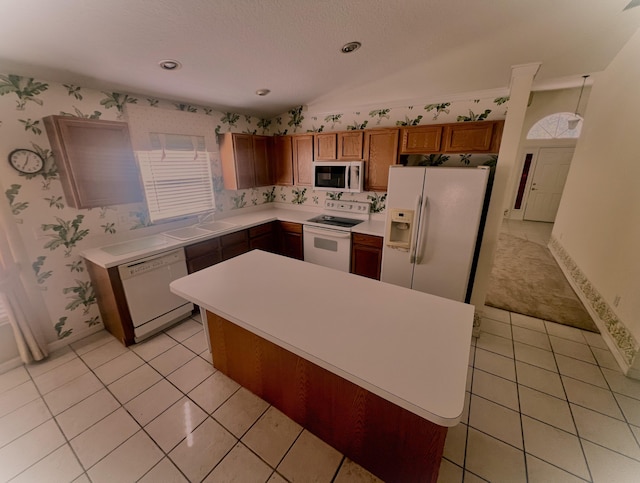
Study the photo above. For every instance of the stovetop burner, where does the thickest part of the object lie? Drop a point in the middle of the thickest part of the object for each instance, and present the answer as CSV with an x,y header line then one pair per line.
x,y
335,221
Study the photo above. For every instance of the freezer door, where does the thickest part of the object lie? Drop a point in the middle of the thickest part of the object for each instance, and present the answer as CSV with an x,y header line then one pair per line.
x,y
405,193
448,230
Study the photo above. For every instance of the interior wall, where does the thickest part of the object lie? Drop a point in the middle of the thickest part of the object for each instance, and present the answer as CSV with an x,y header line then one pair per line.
x,y
598,222
544,103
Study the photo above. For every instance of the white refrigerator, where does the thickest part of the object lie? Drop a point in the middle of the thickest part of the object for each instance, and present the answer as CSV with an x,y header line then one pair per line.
x,y
433,217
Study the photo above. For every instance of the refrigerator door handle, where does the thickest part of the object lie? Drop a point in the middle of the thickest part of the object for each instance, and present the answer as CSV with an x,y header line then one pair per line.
x,y
414,237
422,225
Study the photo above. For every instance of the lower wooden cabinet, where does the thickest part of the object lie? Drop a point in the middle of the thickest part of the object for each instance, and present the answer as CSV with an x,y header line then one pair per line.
x,y
234,244
290,240
263,237
366,255
202,255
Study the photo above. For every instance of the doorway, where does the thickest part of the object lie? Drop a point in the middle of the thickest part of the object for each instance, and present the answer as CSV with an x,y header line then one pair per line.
x,y
550,171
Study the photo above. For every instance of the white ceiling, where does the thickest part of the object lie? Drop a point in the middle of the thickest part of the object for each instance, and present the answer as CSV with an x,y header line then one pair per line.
x,y
412,49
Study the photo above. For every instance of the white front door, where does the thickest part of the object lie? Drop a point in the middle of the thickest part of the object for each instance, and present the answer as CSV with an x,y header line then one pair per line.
x,y
548,182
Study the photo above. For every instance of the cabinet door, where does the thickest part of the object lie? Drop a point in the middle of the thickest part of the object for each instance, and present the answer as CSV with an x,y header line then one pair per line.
x,y
326,146
303,159
467,137
203,254
350,145
262,237
236,157
234,244
282,160
95,161
421,139
366,255
261,164
381,151
291,240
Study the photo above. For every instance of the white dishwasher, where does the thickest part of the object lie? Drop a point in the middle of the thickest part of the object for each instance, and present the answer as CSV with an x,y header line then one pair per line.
x,y
146,287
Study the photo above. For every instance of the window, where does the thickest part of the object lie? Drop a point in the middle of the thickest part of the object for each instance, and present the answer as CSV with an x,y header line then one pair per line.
x,y
555,126
176,176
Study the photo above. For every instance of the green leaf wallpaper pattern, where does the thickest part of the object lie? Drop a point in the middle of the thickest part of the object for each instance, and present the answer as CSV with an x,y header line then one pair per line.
x,y
25,101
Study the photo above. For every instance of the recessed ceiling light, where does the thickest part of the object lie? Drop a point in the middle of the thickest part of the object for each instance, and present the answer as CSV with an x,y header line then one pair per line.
x,y
350,47
169,64
262,92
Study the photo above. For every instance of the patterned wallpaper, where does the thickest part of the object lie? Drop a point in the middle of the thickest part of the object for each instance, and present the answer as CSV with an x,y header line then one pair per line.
x,y
55,234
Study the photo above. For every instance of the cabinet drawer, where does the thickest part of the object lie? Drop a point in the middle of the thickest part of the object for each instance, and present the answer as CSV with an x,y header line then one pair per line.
x,y
291,227
369,240
202,248
236,238
260,230
204,261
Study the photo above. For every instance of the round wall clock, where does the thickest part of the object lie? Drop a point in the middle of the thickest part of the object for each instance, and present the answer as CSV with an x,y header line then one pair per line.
x,y
26,161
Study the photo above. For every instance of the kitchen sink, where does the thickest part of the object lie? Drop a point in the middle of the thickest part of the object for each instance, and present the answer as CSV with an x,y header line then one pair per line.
x,y
215,226
187,233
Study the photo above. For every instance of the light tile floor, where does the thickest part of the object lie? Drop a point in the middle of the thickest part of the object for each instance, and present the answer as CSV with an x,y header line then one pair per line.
x,y
545,403
535,231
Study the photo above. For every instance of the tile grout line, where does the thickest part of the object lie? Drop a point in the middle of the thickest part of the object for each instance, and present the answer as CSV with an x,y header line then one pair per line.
x,y
573,419
466,436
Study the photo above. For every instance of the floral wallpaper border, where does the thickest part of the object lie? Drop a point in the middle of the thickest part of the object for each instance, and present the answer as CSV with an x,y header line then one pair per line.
x,y
626,343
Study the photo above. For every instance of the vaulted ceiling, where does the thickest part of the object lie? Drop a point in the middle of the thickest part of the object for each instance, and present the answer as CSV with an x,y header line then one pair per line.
x,y
411,49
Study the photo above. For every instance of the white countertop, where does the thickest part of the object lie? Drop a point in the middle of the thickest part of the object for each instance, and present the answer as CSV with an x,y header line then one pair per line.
x,y
159,243
406,346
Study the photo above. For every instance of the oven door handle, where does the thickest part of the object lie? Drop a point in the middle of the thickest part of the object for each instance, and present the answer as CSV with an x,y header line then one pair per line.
x,y
327,233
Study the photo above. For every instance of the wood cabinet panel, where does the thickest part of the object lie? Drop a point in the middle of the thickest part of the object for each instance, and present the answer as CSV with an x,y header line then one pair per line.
x,y
236,156
263,237
203,254
326,146
112,302
95,161
282,160
302,146
381,151
465,137
234,244
290,240
366,255
350,145
421,139
391,442
261,162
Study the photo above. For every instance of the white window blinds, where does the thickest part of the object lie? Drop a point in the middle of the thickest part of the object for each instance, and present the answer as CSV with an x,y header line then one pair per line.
x,y
176,176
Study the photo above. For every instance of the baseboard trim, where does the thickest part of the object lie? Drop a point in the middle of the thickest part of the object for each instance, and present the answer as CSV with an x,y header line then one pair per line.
x,y
10,364
60,343
617,336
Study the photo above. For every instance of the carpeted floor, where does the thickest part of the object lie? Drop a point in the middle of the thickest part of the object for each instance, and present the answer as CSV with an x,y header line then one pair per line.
x,y
526,279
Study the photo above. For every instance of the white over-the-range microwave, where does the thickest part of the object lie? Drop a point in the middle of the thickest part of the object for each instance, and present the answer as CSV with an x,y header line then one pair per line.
x,y
339,176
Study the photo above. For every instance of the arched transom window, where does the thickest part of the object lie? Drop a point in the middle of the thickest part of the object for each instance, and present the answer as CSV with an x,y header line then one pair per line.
x,y
555,126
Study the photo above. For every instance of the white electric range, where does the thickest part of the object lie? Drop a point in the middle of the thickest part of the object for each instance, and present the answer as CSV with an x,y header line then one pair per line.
x,y
327,237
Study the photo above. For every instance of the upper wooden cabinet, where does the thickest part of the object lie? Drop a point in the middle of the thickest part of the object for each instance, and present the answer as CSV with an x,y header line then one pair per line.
x,y
325,146
380,152
339,146
467,137
95,160
282,160
245,161
459,137
350,145
302,146
421,139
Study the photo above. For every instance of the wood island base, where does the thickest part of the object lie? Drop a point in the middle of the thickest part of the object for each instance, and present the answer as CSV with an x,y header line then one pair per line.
x,y
389,441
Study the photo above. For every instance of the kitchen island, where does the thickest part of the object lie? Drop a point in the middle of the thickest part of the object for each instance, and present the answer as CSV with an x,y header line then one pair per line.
x,y
375,370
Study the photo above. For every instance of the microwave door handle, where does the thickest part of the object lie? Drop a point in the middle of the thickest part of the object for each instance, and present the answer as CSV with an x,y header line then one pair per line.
x,y
414,236
348,180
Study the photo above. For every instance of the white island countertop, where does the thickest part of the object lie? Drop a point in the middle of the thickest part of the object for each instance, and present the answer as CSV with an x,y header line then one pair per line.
x,y
408,347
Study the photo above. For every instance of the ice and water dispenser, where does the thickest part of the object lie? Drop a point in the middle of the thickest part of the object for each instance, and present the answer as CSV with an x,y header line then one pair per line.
x,y
399,228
